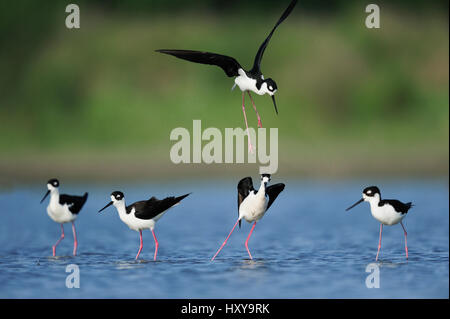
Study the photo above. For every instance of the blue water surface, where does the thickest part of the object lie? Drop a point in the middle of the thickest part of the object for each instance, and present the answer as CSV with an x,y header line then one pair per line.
x,y
307,245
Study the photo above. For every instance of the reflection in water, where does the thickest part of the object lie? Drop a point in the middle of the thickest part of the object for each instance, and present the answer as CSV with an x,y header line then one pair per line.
x,y
131,264
253,264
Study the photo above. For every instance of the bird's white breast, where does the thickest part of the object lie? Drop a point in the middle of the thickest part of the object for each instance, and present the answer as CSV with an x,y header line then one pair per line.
x,y
60,213
386,214
247,84
253,207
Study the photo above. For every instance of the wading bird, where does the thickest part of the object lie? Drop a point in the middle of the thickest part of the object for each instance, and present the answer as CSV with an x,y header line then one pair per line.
x,y
143,214
247,80
253,204
386,211
63,209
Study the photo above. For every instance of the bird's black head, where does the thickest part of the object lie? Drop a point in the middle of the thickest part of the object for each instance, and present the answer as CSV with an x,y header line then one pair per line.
x,y
369,195
117,195
271,86
265,178
371,191
54,182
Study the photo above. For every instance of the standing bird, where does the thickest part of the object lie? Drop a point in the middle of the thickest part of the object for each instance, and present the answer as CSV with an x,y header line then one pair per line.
x,y
251,80
386,211
63,209
253,204
143,214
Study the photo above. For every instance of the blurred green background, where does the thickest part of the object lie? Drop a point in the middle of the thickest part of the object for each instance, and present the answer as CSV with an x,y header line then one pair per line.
x,y
98,102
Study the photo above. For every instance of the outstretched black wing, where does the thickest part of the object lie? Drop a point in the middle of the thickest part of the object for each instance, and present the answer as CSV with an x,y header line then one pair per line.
x,y
148,209
228,64
273,191
75,203
256,65
245,186
398,205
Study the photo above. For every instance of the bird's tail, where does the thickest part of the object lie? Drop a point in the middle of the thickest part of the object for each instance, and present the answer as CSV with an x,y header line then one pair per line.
x,y
180,198
85,197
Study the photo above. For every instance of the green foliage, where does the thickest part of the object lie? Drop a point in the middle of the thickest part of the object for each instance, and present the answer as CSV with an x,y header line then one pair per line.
x,y
102,88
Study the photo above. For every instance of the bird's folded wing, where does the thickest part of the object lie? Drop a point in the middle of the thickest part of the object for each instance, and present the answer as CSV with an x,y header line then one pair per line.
x,y
75,203
398,205
153,207
228,64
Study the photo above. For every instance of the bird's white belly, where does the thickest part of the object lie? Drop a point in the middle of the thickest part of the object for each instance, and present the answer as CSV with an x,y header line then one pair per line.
x,y
386,215
253,207
246,84
60,213
139,224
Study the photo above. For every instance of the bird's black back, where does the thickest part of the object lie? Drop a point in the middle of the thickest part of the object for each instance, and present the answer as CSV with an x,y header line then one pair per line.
x,y
398,205
148,209
75,203
245,186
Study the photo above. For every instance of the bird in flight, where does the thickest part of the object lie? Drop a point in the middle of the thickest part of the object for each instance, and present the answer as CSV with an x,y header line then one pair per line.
x,y
247,80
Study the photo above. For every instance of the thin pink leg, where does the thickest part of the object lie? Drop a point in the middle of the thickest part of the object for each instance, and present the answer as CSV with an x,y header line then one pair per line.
x,y
140,246
406,242
75,242
250,147
59,240
254,107
212,259
246,242
379,242
156,245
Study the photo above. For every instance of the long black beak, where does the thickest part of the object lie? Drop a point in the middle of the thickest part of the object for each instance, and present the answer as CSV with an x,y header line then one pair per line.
x,y
107,205
358,202
274,103
45,196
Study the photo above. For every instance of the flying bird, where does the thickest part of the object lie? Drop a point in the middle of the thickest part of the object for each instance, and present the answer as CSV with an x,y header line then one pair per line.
x,y
247,80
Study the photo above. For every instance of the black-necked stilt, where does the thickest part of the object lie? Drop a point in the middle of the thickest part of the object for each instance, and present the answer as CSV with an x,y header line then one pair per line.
x,y
63,209
251,80
253,204
143,214
386,211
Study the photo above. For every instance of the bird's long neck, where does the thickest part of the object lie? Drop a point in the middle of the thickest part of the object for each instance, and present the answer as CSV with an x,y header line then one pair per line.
x,y
262,189
120,206
374,201
54,196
